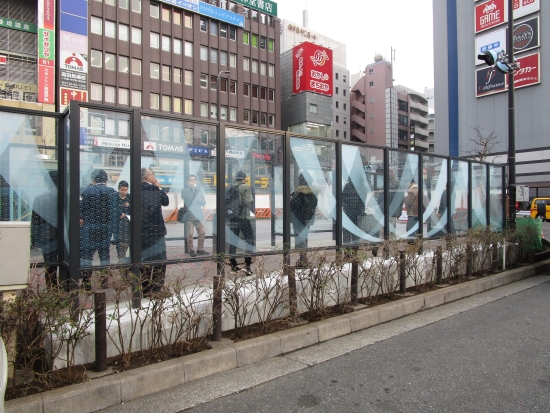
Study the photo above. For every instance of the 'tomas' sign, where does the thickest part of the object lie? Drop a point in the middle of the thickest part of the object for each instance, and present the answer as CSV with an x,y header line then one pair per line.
x,y
312,66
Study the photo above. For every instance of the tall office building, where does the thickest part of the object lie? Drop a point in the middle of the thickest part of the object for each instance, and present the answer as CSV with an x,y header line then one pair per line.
x,y
470,95
311,112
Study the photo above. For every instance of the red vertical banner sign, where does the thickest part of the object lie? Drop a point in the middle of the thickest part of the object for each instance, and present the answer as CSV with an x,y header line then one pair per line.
x,y
312,69
46,51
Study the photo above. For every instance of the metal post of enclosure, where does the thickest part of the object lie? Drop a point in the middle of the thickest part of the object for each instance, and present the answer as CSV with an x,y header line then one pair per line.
x,y
74,196
135,207
470,192
420,200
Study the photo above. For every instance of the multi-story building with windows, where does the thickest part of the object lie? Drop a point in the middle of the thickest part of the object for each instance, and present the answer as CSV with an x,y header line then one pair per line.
x,y
145,54
308,112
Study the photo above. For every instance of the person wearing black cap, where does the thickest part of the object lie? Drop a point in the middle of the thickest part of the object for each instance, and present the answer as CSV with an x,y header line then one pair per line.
x,y
98,218
239,222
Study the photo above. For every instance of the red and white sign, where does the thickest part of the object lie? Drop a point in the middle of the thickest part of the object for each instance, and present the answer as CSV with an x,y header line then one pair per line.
x,y
490,14
46,84
525,7
312,69
3,60
71,94
528,72
73,61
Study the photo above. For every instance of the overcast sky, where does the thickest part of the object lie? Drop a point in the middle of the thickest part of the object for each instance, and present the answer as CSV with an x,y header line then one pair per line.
x,y
375,26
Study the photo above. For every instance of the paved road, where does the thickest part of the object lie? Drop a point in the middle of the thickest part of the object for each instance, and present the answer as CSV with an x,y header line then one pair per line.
x,y
486,353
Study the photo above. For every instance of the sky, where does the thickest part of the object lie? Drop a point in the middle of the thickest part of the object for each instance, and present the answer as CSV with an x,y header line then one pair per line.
x,y
367,27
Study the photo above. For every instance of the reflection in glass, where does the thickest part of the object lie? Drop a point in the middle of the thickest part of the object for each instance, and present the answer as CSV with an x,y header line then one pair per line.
x,y
435,188
404,176
459,196
496,173
479,195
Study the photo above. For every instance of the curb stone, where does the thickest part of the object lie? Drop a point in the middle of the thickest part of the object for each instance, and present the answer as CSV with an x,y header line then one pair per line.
x,y
120,388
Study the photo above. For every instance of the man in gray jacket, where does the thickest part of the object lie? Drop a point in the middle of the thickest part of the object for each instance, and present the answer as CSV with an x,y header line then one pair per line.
x,y
239,222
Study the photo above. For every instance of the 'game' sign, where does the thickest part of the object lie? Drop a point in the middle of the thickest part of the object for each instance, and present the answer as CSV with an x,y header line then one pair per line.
x,y
490,14
312,69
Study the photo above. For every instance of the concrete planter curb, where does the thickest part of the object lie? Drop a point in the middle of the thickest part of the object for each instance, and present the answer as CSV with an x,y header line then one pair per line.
x,y
119,388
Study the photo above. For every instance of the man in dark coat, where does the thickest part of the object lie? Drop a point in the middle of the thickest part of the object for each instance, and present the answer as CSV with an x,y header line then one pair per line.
x,y
44,226
98,220
153,231
353,205
302,207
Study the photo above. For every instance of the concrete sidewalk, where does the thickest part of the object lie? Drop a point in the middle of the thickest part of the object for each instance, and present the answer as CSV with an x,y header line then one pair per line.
x,y
121,388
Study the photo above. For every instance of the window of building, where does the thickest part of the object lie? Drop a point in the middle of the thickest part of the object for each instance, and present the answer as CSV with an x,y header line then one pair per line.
x,y
271,72
337,119
270,21
246,38
123,4
154,97
254,66
166,103
246,63
246,89
110,61
189,77
110,94
204,109
166,73
110,29
345,119
402,105
188,20
96,91
136,6
213,27
223,58
188,49
345,106
344,92
272,95
223,84
263,93
254,40
336,104
176,104
403,120
154,40
166,43
371,130
96,25
178,44
232,7
177,17
204,24
371,84
154,10
204,53
402,134
263,41
337,133
204,80
136,35
214,55
136,67
371,100
312,108
246,116
223,112
271,120
263,68
213,111
262,18
123,64
166,14
254,15
345,135
188,106
214,82
232,33
246,12
255,91
233,114
336,75
155,70
136,98
371,116
123,32
233,86
177,75
97,58
255,117
223,30
263,119
123,96
371,71
232,60
344,79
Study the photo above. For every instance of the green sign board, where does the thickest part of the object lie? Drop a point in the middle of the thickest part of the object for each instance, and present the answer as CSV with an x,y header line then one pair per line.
x,y
17,25
266,6
46,44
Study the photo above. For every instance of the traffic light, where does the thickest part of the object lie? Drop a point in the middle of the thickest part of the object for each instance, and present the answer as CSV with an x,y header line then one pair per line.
x,y
497,60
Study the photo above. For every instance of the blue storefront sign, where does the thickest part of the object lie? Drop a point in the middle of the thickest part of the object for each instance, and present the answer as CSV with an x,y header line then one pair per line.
x,y
198,150
208,10
191,5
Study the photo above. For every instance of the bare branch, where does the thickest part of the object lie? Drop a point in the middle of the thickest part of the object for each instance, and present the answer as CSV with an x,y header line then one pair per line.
x,y
484,144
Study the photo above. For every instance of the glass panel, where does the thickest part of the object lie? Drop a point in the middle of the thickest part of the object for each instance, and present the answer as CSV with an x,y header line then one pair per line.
x,y
313,203
496,202
404,175
479,195
435,188
254,195
104,183
362,194
28,179
459,196
178,171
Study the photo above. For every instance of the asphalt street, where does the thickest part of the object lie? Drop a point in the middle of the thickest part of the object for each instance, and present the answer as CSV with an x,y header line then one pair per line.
x,y
485,353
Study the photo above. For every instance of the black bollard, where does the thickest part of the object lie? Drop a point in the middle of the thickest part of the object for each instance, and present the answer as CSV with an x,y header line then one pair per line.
x,y
100,311
402,275
439,265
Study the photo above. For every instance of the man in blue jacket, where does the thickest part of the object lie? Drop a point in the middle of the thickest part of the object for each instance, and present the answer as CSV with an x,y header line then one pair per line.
x,y
153,230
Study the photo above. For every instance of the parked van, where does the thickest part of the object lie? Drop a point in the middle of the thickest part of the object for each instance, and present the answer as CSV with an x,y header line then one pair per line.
x,y
540,207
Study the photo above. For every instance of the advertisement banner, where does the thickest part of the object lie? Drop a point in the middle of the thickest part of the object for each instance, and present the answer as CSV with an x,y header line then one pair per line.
x,y
525,7
526,35
490,14
70,94
266,6
73,80
17,25
221,14
312,69
46,82
495,40
528,72
489,81
73,61
73,41
46,51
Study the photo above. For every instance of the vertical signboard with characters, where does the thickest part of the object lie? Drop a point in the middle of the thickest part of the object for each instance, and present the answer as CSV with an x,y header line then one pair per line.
x,y
490,14
312,69
46,51
528,72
